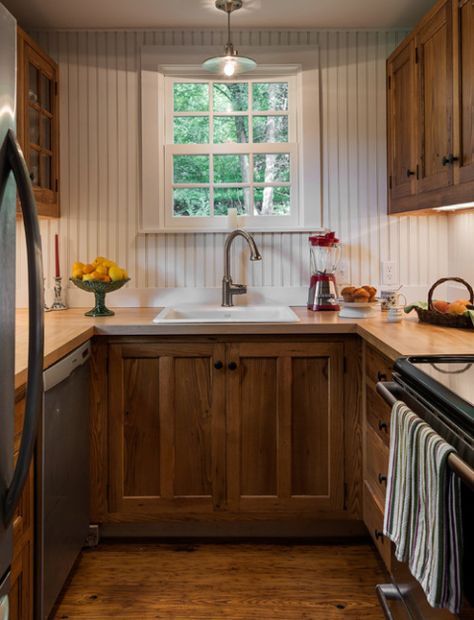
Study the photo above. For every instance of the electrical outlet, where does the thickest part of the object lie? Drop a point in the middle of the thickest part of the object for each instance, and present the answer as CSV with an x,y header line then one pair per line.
x,y
389,275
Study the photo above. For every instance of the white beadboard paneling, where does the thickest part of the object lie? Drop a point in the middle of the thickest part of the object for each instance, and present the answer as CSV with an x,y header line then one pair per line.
x,y
100,175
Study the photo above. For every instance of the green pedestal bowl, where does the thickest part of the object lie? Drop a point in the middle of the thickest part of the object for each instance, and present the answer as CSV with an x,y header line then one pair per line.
x,y
99,289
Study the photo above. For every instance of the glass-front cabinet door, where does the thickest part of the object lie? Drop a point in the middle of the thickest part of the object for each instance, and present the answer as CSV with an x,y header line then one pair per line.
x,y
38,127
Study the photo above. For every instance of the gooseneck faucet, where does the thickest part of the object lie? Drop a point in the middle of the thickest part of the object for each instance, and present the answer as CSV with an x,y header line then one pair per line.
x,y
229,289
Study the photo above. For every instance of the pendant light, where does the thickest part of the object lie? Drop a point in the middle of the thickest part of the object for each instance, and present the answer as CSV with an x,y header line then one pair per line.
x,y
230,64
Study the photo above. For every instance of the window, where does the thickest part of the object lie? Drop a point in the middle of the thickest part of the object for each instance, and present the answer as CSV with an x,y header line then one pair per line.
x,y
230,145
209,145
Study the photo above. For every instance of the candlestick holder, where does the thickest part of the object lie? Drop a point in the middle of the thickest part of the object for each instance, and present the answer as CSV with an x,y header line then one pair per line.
x,y
58,303
46,308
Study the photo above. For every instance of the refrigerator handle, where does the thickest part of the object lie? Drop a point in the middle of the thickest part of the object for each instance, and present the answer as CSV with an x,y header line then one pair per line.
x,y
34,388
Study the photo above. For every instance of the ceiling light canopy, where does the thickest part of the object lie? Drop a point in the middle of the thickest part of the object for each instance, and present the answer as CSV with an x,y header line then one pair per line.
x,y
230,64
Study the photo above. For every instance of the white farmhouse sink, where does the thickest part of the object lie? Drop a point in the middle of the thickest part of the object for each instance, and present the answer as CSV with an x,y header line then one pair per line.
x,y
191,313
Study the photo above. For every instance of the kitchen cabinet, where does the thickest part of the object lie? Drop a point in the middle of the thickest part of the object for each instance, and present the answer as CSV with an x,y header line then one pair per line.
x,y
435,100
224,429
376,441
463,28
21,595
430,111
402,119
166,428
38,122
285,427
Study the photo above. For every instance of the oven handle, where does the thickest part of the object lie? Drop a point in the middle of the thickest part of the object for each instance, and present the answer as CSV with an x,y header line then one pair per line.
x,y
459,467
388,592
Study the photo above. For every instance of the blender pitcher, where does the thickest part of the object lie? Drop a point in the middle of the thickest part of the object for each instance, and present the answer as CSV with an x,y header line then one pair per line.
x,y
325,253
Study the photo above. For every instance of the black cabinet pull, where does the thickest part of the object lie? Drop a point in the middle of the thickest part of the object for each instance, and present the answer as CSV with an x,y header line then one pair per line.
x,y
218,365
381,376
382,479
410,173
449,159
383,426
232,366
378,534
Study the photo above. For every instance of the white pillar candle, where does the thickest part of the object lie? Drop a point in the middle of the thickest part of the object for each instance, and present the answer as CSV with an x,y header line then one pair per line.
x,y
232,218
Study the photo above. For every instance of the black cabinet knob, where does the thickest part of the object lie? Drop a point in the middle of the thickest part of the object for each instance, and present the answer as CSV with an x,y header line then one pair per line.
x,y
378,534
410,173
218,365
232,366
381,376
382,426
382,479
449,159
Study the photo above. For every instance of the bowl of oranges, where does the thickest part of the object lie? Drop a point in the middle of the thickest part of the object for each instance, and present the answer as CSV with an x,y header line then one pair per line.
x,y
101,276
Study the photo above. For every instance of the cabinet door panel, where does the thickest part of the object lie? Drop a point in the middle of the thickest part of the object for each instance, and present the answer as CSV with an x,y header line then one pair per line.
x,y
285,428
193,426
464,89
167,429
141,427
259,427
402,119
310,426
434,43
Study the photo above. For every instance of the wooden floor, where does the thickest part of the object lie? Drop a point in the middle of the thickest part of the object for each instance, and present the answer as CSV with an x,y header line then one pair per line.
x,y
235,582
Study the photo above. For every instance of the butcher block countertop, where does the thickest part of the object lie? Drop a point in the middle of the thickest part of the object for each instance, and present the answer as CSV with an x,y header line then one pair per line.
x,y
66,330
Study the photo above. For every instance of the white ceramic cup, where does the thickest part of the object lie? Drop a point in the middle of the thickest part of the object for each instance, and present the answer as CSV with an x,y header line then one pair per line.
x,y
395,314
391,299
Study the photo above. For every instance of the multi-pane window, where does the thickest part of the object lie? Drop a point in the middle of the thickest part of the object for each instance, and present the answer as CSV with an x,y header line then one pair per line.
x,y
230,145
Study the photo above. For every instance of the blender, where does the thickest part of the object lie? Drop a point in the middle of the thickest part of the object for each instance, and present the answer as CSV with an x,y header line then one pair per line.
x,y
325,251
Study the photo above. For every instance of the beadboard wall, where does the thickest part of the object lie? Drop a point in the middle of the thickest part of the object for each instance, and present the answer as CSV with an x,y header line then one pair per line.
x,y
100,176
461,258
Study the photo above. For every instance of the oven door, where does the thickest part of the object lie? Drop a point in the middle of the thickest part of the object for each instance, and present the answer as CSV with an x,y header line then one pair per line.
x,y
405,588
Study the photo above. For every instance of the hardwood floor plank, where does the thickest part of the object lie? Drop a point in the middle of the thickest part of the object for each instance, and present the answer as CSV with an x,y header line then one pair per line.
x,y
236,582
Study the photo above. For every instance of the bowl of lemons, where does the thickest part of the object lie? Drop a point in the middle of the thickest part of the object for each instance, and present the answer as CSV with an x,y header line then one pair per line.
x,y
101,276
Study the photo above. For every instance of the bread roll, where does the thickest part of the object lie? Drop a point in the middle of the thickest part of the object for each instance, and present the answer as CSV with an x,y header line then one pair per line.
x,y
361,295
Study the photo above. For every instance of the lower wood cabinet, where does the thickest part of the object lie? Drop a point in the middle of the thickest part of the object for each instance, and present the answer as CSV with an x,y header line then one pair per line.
x,y
222,428
376,450
21,592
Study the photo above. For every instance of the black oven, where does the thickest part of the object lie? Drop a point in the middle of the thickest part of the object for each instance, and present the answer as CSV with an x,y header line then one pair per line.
x,y
440,390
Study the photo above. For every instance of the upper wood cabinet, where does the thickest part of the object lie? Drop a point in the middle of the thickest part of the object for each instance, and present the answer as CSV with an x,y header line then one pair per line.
x,y
38,122
435,100
402,121
430,106
463,21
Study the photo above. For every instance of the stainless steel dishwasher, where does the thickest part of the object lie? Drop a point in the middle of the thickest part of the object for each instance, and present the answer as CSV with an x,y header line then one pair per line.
x,y
62,476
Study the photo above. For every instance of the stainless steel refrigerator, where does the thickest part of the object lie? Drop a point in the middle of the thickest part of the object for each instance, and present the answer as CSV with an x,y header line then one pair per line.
x,y
14,178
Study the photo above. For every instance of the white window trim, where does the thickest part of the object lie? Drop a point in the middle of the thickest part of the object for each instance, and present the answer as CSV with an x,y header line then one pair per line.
x,y
273,61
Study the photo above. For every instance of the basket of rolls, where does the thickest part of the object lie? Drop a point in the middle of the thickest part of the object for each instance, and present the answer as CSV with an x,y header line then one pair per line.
x,y
359,295
459,313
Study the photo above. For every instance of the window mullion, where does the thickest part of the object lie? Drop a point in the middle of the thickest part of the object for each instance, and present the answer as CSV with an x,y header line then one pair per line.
x,y
211,143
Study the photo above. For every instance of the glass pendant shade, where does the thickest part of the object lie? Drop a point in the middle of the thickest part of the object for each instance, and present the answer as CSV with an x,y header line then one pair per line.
x,y
230,63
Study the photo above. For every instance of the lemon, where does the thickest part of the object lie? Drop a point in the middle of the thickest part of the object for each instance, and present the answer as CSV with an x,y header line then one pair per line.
x,y
77,273
108,263
87,277
115,274
78,266
99,260
102,269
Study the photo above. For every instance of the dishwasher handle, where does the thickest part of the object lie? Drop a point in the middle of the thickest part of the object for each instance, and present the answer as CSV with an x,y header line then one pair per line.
x,y
15,162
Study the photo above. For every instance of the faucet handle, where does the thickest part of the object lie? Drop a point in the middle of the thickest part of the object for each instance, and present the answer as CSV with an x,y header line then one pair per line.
x,y
238,289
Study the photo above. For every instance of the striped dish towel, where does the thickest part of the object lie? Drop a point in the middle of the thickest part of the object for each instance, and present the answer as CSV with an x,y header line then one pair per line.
x,y
423,508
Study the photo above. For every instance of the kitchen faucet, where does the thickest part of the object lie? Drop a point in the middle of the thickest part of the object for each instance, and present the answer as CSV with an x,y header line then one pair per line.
x,y
229,289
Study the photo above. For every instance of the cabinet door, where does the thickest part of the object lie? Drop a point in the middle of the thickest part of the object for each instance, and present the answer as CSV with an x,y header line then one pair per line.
x,y
285,428
38,122
464,90
435,77
166,429
402,119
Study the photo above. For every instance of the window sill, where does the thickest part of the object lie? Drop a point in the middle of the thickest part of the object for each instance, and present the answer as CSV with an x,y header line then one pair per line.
x,y
223,230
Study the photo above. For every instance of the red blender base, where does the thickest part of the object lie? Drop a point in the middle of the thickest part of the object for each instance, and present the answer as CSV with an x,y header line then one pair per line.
x,y
322,290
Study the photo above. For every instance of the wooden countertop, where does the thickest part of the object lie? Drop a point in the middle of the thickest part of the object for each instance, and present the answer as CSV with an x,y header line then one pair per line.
x,y
66,330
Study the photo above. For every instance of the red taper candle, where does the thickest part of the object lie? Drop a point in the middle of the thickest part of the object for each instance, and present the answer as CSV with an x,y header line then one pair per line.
x,y
56,255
